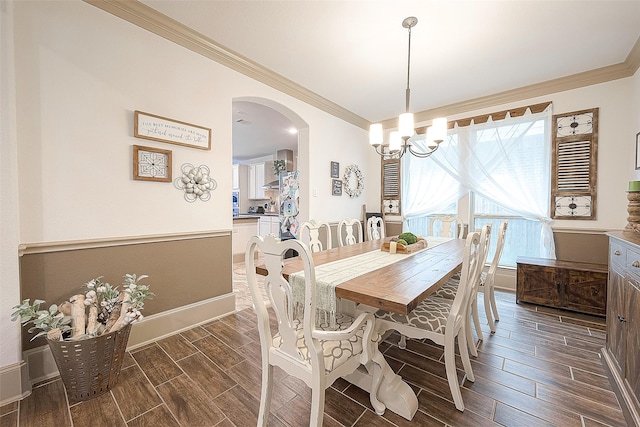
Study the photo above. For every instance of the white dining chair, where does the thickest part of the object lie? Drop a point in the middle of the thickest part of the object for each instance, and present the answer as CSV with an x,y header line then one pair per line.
x,y
487,278
450,289
317,354
311,230
446,226
443,321
375,228
346,233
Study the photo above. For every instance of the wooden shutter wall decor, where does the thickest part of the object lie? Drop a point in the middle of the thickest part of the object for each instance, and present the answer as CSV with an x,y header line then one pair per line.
x,y
574,169
391,186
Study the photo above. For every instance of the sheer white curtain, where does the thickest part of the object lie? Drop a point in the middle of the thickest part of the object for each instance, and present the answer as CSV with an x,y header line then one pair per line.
x,y
427,188
508,163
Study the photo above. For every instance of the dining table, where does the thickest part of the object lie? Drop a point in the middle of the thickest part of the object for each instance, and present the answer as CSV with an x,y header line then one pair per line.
x,y
398,285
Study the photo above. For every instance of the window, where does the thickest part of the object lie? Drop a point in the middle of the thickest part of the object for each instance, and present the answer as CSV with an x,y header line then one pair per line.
x,y
505,166
523,235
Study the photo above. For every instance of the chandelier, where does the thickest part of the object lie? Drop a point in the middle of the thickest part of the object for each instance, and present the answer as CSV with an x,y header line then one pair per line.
x,y
399,142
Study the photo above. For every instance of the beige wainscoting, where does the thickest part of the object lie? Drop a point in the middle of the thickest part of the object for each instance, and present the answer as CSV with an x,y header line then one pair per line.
x,y
191,270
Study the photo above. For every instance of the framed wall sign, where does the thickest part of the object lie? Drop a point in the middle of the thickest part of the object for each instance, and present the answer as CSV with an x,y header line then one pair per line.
x,y
162,129
336,187
335,170
151,164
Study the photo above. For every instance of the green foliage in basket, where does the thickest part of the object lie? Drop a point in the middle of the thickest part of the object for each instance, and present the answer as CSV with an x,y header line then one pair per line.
x,y
110,306
402,242
45,320
408,237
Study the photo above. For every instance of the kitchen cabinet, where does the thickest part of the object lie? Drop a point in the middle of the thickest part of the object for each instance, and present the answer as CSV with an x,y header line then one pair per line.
x,y
259,175
235,178
269,224
243,229
576,286
621,354
256,181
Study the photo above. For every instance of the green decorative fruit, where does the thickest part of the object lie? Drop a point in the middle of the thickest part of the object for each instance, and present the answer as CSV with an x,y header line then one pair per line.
x,y
408,237
402,242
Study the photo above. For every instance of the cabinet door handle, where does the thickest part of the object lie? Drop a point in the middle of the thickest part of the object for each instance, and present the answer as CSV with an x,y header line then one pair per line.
x,y
621,319
617,253
636,264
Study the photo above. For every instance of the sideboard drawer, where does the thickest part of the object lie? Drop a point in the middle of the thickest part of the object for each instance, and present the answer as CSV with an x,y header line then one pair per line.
x,y
633,262
617,254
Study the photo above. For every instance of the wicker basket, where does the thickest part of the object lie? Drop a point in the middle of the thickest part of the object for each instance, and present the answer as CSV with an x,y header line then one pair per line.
x,y
90,367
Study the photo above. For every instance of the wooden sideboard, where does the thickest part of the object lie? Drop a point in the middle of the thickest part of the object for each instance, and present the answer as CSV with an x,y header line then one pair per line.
x,y
569,285
622,352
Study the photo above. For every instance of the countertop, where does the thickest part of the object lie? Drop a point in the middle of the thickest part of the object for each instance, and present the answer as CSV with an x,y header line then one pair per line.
x,y
254,215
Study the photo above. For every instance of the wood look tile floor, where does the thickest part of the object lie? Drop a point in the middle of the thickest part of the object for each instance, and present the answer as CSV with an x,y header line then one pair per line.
x,y
541,368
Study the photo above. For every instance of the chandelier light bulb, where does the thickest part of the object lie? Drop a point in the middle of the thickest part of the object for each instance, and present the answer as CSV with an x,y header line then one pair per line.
x,y
375,135
405,124
439,126
394,141
429,138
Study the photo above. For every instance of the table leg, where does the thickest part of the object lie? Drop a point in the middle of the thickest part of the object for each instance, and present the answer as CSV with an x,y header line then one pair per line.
x,y
393,392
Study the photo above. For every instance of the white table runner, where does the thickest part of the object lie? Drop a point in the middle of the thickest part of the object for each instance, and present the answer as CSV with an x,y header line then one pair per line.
x,y
332,274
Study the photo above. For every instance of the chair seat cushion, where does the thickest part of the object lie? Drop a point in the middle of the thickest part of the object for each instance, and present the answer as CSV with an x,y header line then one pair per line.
x,y
431,315
336,352
449,289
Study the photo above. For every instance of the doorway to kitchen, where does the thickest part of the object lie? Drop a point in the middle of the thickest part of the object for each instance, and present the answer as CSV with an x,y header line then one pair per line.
x,y
261,134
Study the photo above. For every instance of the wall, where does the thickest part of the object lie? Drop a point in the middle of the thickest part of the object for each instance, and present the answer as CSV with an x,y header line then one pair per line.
x,y
182,271
80,74
635,97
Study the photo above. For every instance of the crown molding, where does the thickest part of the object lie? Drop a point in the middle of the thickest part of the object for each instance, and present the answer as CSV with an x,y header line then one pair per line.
x,y
151,20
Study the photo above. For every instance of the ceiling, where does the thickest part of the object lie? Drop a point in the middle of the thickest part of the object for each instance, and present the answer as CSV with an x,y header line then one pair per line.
x,y
354,52
259,131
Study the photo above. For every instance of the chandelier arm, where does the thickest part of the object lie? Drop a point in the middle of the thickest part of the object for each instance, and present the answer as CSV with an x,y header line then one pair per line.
x,y
377,148
423,154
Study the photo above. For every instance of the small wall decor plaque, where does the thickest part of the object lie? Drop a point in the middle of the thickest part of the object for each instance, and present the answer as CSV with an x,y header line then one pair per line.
x,y
151,164
158,128
336,187
335,170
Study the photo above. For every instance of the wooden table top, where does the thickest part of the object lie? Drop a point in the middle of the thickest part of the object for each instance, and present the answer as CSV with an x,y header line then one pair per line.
x,y
398,287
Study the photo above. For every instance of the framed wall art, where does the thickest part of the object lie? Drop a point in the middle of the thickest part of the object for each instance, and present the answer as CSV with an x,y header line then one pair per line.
x,y
151,164
335,170
336,187
574,165
162,129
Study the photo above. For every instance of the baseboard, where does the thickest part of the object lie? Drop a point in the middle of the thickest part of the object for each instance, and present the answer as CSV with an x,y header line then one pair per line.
x,y
14,383
42,366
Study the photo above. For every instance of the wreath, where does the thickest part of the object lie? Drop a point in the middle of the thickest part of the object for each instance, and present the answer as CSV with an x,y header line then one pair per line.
x,y
351,191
